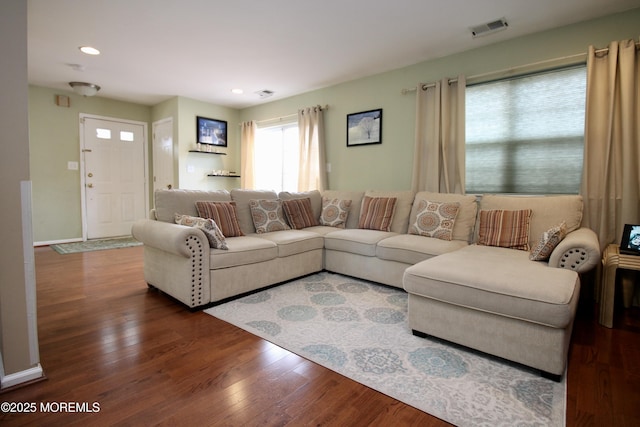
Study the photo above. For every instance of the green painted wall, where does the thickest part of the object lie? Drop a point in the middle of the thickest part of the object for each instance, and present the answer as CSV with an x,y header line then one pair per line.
x,y
54,140
388,166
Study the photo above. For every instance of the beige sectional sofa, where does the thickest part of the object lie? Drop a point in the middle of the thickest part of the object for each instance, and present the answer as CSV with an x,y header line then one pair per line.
x,y
495,290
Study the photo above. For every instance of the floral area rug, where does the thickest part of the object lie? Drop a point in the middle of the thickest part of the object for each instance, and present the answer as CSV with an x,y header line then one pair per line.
x,y
96,245
359,329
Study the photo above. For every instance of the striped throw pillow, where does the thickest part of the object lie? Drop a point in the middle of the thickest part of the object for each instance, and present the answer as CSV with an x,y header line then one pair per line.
x,y
224,214
506,229
299,213
377,213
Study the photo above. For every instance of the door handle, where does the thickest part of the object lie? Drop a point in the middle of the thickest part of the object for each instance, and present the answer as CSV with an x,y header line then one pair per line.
x,y
90,185
90,175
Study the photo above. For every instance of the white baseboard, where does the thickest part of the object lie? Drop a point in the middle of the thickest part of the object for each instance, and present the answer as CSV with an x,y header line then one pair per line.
x,y
57,242
21,377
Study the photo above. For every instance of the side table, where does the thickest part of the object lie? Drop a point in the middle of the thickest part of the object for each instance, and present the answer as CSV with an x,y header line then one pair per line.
x,y
612,260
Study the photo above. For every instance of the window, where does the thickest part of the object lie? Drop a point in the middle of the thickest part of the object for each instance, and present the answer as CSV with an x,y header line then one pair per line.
x,y
526,135
276,150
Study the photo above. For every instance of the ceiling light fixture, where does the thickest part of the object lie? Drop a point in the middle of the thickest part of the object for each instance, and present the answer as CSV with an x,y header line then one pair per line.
x,y
89,50
237,91
84,89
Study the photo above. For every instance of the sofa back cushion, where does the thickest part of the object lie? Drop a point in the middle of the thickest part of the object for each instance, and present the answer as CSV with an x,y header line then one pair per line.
x,y
465,219
171,202
242,198
404,201
547,211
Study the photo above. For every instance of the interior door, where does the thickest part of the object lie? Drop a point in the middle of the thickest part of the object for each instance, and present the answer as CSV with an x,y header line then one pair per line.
x,y
163,154
114,176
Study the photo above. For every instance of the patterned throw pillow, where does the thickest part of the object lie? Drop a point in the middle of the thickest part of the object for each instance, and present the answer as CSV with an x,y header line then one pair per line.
x,y
208,226
334,212
435,219
377,213
548,242
268,215
507,229
299,213
222,213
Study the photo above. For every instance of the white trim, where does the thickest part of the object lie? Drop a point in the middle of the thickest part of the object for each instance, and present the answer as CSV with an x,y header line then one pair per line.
x,y
29,272
30,374
145,144
57,242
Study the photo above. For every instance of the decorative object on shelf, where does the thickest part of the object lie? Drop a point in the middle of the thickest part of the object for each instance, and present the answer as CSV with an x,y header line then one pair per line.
x,y
84,89
211,133
224,173
364,128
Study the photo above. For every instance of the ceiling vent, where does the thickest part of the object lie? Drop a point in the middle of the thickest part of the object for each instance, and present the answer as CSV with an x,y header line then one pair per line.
x,y
264,93
489,28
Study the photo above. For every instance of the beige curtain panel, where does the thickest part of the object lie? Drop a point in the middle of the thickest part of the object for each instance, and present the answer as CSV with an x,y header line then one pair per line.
x,y
439,153
312,173
247,140
611,177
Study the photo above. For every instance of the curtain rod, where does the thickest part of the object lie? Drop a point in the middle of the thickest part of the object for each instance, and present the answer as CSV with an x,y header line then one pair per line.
x,y
505,70
288,116
518,67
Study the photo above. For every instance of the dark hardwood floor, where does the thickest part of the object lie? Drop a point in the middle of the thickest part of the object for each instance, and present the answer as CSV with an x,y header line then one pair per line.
x,y
146,360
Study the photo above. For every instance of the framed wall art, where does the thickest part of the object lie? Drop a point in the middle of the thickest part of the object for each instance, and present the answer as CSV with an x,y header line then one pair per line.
x,y
211,131
364,128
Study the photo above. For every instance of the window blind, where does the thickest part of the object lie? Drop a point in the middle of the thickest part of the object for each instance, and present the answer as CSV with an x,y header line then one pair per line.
x,y
525,135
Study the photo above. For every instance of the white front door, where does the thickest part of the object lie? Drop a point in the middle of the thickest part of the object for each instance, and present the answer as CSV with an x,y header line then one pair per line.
x,y
163,154
114,176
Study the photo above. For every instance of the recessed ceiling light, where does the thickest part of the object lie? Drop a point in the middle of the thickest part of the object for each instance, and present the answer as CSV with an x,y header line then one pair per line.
x,y
89,50
237,91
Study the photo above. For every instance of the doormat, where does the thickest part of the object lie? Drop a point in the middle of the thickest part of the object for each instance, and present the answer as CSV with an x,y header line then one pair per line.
x,y
96,245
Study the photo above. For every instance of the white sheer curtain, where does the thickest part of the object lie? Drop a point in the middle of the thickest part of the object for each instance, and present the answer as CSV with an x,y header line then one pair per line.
x,y
247,141
611,172
312,174
439,161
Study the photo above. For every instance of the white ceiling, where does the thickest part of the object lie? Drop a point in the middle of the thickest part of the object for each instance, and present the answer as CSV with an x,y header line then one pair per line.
x,y
153,50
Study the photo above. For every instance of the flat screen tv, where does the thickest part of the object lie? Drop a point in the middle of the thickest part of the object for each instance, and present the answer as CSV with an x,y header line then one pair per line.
x,y
211,131
630,242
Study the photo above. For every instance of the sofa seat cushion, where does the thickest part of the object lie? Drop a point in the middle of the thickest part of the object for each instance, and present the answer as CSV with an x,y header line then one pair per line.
x,y
357,241
243,250
322,230
411,248
291,242
497,280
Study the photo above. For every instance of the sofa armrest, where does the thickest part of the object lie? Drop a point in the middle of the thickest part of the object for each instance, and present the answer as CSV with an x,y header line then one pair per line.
x,y
579,251
168,237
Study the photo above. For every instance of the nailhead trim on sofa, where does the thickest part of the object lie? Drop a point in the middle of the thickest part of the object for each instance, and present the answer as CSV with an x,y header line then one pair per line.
x,y
195,246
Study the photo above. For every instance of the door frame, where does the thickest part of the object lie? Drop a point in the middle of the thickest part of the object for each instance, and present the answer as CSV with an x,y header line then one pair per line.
x,y
145,145
152,181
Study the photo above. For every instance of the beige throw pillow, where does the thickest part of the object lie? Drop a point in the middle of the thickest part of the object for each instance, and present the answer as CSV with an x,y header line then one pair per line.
x,y
208,226
435,219
268,215
548,242
335,212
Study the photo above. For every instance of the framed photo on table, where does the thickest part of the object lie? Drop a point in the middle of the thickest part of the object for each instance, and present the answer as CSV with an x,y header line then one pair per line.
x,y
211,131
364,128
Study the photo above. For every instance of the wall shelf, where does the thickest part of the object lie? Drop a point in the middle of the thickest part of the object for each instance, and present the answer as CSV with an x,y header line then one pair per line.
x,y
207,152
224,176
